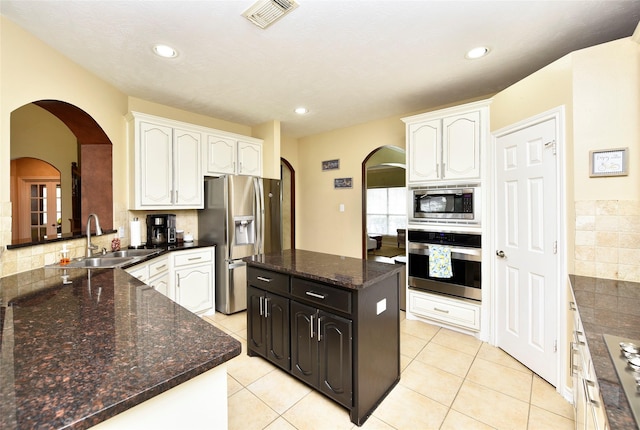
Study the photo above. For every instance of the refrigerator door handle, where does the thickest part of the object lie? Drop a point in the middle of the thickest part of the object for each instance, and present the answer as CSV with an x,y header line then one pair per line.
x,y
230,227
259,195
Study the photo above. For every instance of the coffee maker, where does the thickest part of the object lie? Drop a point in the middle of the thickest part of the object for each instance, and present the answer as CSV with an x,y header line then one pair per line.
x,y
161,229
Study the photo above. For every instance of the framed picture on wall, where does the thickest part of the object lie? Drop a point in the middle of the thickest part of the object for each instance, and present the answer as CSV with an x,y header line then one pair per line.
x,y
343,183
608,162
330,165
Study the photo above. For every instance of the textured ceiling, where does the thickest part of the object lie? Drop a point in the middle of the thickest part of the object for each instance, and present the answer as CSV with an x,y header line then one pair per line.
x,y
349,62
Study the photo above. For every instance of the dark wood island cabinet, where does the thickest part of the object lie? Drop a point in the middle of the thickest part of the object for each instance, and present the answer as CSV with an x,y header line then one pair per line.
x,y
333,322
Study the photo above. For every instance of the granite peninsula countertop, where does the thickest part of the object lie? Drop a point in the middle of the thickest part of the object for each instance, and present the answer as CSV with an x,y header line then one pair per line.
x,y
346,272
75,354
608,307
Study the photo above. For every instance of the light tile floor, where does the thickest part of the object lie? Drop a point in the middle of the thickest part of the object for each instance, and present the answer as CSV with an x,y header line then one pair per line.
x,y
449,381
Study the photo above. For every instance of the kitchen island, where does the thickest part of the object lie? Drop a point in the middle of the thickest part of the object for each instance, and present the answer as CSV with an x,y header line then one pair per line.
x,y
82,347
333,322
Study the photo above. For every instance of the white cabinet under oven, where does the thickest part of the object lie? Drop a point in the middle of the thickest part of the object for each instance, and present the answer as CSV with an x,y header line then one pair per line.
x,y
447,310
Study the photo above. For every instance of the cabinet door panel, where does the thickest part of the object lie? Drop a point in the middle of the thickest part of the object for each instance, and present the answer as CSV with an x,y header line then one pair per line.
x,y
156,164
461,146
256,329
335,358
278,330
160,283
188,177
221,155
249,159
304,346
424,157
193,288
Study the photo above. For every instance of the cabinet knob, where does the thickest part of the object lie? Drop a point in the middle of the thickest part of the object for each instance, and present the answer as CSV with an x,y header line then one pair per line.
x,y
501,254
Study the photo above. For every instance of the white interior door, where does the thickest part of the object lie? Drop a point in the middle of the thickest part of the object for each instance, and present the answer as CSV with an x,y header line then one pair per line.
x,y
526,226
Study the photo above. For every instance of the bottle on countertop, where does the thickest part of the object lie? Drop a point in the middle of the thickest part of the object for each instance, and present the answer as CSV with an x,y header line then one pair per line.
x,y
64,255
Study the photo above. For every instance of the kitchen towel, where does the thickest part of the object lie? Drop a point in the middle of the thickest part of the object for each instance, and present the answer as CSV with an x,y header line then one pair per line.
x,y
134,230
440,262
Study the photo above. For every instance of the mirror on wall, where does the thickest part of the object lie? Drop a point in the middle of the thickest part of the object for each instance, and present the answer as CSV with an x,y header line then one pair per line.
x,y
52,143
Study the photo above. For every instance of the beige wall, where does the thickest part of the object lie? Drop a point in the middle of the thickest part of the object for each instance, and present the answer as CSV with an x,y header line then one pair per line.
x,y
320,225
599,89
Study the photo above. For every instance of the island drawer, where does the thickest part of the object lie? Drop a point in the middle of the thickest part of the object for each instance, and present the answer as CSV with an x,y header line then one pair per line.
x,y
268,280
322,295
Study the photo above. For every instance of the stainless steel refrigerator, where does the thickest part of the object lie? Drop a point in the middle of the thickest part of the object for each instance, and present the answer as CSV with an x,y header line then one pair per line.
x,y
242,217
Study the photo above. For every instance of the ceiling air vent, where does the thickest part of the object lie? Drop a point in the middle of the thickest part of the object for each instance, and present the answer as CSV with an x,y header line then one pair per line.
x,y
265,12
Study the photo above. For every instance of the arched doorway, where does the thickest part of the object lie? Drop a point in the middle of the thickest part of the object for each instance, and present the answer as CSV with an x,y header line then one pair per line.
x,y
89,151
288,178
37,199
383,169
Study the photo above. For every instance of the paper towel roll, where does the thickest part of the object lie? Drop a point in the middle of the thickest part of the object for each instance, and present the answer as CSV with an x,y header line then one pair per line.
x,y
134,229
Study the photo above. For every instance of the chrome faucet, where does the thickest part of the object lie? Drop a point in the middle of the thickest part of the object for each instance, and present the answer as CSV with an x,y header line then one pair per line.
x,y
90,247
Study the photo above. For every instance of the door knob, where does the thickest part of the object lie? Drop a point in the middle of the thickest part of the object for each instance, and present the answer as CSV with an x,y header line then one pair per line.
x,y
500,254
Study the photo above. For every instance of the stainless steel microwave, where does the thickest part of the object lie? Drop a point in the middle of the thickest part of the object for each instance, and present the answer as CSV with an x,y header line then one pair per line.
x,y
439,204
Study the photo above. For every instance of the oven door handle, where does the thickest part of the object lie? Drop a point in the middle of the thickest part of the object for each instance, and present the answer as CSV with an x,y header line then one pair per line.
x,y
470,254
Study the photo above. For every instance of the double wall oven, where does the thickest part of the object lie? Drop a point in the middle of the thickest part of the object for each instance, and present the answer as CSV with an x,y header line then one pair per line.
x,y
463,280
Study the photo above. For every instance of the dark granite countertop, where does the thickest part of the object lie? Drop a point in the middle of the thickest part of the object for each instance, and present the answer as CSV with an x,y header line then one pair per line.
x,y
609,307
73,355
348,272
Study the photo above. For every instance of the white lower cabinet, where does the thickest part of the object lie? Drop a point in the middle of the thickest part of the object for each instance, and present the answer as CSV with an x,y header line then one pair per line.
x,y
445,310
587,399
186,277
194,279
159,277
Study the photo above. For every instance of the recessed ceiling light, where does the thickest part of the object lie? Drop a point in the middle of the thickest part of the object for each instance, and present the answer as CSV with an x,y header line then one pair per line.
x,y
478,52
165,51
301,110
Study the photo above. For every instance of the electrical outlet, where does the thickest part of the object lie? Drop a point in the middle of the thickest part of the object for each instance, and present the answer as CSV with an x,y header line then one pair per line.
x,y
341,207
121,231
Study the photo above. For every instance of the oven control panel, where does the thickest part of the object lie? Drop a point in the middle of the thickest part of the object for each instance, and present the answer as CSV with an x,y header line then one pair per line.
x,y
445,238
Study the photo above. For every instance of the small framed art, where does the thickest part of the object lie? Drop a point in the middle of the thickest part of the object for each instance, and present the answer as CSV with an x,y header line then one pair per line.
x,y
330,165
343,183
608,162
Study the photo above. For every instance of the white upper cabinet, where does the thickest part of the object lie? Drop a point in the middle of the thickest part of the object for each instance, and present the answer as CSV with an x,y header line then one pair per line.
x,y
220,155
169,160
424,144
445,145
166,167
249,158
188,185
461,146
232,155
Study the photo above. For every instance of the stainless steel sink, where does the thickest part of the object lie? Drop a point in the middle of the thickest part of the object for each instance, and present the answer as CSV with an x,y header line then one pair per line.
x,y
105,262
110,260
133,253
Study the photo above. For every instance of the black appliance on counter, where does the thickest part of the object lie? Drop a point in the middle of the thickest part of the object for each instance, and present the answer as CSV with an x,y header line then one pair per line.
x,y
161,229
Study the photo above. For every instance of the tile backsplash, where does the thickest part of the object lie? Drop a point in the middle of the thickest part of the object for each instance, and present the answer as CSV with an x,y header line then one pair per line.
x,y
607,239
23,259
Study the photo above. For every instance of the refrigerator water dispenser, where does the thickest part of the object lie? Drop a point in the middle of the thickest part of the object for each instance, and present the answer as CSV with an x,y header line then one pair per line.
x,y
245,230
